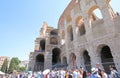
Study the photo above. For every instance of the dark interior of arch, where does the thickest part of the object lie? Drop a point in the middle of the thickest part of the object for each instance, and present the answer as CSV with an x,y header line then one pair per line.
x,y
73,56
54,32
106,54
106,58
56,56
87,61
82,29
42,44
40,58
53,40
71,34
86,57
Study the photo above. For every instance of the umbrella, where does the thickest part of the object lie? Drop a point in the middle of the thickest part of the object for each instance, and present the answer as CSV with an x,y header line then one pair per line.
x,y
2,73
46,71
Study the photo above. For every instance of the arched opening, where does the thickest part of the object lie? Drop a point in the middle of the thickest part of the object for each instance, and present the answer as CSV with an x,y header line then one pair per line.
x,y
63,37
82,29
56,56
80,25
87,61
42,45
54,32
53,40
95,14
106,58
73,60
39,62
68,19
70,33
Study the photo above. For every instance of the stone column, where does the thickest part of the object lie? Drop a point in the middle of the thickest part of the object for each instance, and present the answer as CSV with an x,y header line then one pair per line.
x,y
68,62
66,40
32,64
75,43
48,54
105,10
87,24
85,15
78,60
94,56
48,61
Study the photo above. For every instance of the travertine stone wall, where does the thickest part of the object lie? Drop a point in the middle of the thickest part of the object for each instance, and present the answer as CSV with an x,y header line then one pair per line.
x,y
98,33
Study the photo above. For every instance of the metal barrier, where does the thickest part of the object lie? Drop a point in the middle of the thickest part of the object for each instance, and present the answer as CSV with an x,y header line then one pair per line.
x,y
39,66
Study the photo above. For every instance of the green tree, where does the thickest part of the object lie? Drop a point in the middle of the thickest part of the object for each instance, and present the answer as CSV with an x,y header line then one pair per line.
x,y
22,69
16,61
5,66
11,67
14,64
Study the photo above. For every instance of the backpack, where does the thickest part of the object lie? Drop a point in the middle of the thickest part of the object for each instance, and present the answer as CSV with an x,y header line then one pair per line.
x,y
116,74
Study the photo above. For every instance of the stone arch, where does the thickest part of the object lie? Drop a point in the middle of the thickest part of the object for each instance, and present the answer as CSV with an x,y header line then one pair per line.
x,y
78,20
72,60
94,14
63,37
53,40
39,62
54,32
80,25
87,61
56,56
70,33
106,56
42,45
68,18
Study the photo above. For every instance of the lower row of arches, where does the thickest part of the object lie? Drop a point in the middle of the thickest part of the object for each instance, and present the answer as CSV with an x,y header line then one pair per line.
x,y
105,56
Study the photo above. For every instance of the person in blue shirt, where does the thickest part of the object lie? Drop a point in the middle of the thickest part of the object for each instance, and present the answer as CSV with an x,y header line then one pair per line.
x,y
39,74
75,74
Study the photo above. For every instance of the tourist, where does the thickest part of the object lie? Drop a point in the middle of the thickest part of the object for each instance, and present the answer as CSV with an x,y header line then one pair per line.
x,y
53,73
98,68
47,75
67,74
84,74
75,74
114,73
70,74
39,74
62,73
94,74
104,74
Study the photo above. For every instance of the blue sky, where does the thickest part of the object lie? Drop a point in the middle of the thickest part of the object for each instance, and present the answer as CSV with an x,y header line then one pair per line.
x,y
21,20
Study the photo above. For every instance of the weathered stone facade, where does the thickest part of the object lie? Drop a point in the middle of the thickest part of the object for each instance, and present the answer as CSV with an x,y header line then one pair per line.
x,y
82,38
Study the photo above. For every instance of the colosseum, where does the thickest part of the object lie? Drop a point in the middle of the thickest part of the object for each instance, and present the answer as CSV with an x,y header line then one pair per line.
x,y
81,38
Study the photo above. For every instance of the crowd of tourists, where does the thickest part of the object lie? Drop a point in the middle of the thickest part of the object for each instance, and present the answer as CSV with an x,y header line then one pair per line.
x,y
96,72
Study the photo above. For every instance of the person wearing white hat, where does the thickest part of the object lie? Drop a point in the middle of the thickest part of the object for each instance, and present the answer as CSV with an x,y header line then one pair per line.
x,y
94,74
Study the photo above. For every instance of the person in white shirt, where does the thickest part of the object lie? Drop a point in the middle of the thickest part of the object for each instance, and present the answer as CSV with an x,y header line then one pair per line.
x,y
104,74
62,73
